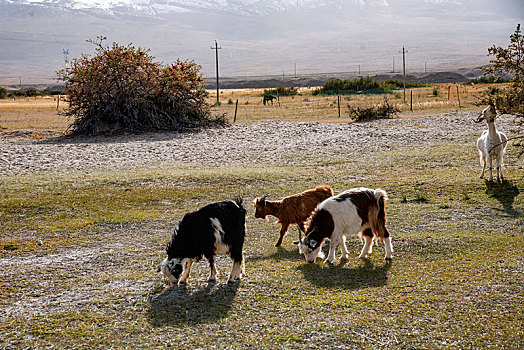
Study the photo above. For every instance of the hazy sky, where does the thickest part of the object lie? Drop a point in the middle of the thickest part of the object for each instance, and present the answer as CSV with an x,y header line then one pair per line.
x,y
265,37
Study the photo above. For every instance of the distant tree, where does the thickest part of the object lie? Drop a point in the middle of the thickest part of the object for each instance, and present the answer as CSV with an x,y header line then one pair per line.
x,y
490,79
397,84
122,88
3,93
281,91
31,93
509,61
357,85
18,93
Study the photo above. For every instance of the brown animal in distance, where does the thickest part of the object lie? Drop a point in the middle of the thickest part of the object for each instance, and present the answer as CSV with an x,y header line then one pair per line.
x,y
294,209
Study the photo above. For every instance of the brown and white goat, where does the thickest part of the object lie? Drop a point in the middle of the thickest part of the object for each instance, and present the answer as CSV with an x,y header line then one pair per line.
x,y
356,211
294,209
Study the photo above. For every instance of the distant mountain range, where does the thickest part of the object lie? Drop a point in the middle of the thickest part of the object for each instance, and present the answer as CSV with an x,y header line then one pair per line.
x,y
159,8
258,37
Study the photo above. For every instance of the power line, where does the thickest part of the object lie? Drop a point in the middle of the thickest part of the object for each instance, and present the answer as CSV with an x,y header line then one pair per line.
x,y
35,40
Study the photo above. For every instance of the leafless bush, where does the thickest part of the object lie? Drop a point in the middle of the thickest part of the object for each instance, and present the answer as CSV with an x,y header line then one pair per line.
x,y
383,111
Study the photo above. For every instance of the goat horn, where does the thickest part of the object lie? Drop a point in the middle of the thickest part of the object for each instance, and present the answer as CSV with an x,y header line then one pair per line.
x,y
299,234
264,196
479,118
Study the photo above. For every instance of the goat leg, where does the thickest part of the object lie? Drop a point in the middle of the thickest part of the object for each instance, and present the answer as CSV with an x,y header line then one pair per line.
x,y
490,164
499,170
213,273
483,164
283,231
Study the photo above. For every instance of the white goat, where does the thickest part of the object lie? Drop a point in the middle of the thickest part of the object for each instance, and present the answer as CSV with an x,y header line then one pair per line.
x,y
491,144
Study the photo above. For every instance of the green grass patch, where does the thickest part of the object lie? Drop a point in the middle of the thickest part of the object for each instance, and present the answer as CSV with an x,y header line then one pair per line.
x,y
79,253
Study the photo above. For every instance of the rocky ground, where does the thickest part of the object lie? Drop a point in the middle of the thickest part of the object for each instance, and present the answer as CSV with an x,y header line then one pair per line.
x,y
23,152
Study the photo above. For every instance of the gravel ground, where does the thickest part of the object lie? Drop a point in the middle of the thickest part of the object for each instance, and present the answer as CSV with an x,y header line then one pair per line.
x,y
265,142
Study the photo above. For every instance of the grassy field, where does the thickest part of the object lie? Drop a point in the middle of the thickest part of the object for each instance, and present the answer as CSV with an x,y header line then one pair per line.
x,y
79,252
41,113
305,107
32,113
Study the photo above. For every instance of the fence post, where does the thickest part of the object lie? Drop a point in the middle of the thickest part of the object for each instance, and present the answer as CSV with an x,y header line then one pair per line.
x,y
58,103
411,103
339,103
236,107
449,89
458,95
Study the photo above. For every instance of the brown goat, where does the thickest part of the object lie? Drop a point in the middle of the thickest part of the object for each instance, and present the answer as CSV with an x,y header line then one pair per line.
x,y
294,209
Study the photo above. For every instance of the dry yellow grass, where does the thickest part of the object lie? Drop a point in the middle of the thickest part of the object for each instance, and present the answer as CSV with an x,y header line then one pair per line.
x,y
305,107
35,113
41,113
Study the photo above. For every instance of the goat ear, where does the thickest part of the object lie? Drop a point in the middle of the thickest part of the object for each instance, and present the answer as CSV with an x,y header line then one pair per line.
x,y
479,119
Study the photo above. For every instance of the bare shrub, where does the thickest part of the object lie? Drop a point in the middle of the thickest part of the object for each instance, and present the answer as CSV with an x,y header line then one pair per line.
x,y
383,111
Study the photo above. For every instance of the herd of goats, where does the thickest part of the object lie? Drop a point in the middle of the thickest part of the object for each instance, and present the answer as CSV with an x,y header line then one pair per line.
x,y
220,227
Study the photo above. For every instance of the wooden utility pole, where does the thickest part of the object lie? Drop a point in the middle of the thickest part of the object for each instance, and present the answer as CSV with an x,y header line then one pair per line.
x,y
236,107
404,70
216,48
393,70
339,103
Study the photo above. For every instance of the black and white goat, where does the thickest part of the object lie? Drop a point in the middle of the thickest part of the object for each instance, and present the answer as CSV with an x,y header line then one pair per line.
x,y
355,211
491,144
218,228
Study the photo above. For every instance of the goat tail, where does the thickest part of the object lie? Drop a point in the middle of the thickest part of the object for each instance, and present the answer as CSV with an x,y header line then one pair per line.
x,y
380,193
378,219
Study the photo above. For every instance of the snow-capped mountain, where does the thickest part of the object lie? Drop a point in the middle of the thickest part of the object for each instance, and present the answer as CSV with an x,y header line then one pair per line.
x,y
257,37
162,7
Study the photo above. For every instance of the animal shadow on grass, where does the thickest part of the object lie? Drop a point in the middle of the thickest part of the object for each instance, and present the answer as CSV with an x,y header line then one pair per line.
x,y
364,275
279,255
184,305
505,192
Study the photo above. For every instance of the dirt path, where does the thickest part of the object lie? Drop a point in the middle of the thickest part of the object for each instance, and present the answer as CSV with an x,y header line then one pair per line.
x,y
265,142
